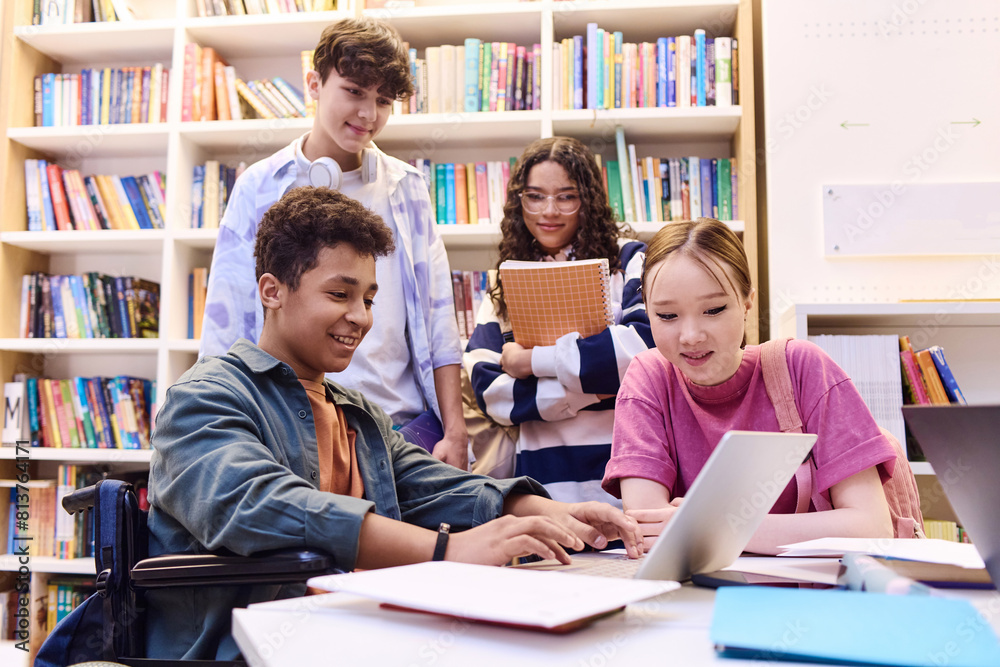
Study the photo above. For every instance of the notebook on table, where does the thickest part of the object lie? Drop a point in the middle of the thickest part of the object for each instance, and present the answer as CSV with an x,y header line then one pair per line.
x,y
962,443
728,500
547,300
506,596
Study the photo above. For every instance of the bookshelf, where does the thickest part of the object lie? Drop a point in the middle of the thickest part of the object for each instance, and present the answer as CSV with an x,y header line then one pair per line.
x,y
967,330
267,46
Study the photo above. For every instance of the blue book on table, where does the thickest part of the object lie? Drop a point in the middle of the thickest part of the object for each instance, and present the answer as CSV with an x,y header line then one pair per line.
x,y
756,622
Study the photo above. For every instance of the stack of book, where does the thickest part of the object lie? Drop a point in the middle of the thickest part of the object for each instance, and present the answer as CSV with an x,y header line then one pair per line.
x,y
872,363
241,7
211,91
85,412
470,288
475,76
470,193
211,185
927,378
64,595
110,95
59,199
90,305
600,70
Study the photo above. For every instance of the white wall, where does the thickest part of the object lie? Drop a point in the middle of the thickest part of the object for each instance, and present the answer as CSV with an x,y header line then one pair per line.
x,y
912,75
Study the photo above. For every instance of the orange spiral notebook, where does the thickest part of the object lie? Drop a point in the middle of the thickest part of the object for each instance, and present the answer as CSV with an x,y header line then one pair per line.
x,y
546,300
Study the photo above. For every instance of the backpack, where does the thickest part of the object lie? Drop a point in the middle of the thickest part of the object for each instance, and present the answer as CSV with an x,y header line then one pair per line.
x,y
900,490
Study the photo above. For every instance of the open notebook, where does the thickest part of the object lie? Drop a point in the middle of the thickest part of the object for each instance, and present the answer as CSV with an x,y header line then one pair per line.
x,y
546,300
546,601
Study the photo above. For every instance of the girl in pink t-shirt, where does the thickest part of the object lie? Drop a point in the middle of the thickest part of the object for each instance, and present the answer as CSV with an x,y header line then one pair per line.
x,y
676,401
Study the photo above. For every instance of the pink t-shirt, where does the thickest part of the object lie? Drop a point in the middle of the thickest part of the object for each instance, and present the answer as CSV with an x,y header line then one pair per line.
x,y
666,426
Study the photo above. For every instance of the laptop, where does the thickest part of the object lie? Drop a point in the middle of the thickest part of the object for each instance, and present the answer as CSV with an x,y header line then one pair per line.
x,y
962,443
728,500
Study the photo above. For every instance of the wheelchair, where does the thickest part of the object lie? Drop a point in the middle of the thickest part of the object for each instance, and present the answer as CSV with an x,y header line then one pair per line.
x,y
109,625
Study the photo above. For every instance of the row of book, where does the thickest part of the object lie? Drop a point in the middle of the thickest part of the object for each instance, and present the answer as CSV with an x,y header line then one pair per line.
x,y
106,96
79,412
62,199
90,305
212,91
475,76
600,70
675,188
211,184
943,529
889,373
470,193
657,190
927,378
55,12
64,595
242,7
197,291
470,288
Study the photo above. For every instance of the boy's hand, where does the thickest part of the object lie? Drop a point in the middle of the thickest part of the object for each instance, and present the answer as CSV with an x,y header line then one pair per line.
x,y
653,521
516,361
593,522
497,542
453,450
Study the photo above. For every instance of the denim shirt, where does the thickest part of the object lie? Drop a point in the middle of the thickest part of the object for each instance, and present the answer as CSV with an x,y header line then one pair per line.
x,y
235,468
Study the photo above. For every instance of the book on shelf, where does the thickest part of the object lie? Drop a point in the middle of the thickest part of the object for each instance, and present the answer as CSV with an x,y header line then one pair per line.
x,y
683,70
198,290
473,76
91,305
469,289
63,199
466,193
546,300
932,381
258,7
102,96
948,380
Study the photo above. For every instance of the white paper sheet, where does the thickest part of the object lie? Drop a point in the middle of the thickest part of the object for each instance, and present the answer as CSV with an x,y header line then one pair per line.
x,y
928,551
544,599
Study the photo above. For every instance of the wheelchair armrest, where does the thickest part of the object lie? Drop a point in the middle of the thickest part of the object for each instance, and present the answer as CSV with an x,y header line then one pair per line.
x,y
80,500
281,566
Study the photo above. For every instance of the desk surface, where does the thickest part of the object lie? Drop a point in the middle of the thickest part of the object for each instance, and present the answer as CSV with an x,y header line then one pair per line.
x,y
308,631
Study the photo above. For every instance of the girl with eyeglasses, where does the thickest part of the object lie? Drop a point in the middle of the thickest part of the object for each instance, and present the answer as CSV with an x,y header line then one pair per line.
x,y
562,396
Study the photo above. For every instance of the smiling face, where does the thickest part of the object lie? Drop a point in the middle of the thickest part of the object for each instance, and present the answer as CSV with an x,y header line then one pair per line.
x,y
697,318
316,328
553,230
348,117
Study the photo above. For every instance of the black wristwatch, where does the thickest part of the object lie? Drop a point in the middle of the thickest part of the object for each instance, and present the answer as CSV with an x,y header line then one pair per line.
x,y
442,541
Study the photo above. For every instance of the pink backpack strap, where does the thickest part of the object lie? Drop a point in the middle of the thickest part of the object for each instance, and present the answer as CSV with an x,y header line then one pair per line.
x,y
778,384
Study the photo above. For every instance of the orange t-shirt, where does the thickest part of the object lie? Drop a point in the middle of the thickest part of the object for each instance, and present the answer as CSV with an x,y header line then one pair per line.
x,y
338,460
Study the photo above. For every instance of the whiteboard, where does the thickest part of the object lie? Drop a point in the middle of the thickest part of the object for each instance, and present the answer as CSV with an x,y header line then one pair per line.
x,y
865,93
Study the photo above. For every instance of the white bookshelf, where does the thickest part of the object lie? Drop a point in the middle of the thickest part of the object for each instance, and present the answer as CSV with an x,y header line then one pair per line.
x,y
267,46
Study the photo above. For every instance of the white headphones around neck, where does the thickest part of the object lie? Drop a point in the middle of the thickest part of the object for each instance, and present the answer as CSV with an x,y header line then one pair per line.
x,y
325,172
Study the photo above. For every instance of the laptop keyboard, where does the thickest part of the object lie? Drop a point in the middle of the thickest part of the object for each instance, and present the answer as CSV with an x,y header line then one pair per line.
x,y
593,564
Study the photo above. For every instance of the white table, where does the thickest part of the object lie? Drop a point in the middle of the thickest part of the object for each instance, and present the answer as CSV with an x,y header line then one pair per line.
x,y
341,629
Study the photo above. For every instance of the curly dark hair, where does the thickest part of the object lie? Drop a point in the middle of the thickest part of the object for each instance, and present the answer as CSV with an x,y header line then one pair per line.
x,y
308,219
598,233
367,51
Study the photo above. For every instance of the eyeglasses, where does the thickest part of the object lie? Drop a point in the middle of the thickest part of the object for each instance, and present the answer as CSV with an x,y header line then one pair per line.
x,y
536,202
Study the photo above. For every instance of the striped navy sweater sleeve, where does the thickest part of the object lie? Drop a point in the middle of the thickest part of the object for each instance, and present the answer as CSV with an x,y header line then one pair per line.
x,y
568,375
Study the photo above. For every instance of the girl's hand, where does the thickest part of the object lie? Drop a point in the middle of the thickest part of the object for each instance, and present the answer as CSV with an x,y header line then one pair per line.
x,y
653,521
505,538
516,361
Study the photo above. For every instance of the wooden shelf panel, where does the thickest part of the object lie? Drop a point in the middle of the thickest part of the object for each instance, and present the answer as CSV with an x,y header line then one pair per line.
x,y
281,35
103,42
657,124
451,24
119,141
115,346
641,20
81,455
104,242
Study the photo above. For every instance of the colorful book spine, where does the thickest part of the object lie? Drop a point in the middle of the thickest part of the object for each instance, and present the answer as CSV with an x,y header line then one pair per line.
x,y
948,380
932,381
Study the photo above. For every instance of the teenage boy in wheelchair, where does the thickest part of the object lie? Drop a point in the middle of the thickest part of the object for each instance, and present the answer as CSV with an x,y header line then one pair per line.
x,y
255,450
